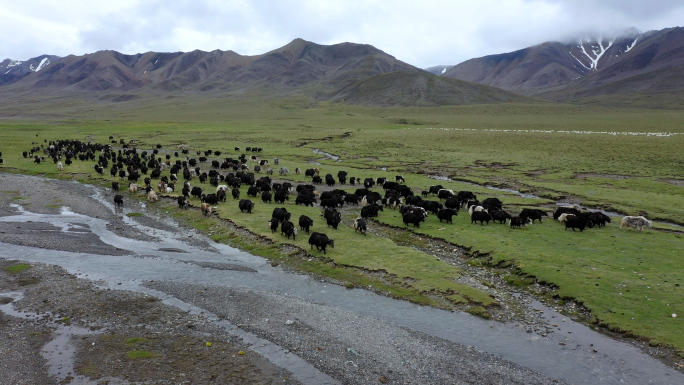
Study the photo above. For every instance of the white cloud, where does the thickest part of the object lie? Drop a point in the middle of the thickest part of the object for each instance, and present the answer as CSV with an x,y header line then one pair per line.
x,y
423,33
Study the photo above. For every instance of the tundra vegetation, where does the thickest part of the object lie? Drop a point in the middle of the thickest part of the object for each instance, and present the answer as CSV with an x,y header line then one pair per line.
x,y
623,159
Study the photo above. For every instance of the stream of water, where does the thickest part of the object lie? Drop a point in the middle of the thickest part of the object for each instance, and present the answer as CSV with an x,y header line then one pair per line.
x,y
327,155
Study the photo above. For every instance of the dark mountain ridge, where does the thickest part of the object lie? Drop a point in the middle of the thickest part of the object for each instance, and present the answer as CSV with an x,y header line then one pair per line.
x,y
296,64
320,71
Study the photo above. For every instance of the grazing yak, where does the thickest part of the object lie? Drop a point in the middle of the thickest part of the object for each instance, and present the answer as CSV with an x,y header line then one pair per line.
x,y
288,229
493,204
196,192
430,206
465,196
321,241
445,193
370,198
183,202
413,217
360,225
306,200
281,196
370,211
352,199
281,214
416,210
435,189
246,205
450,203
392,201
476,208
599,218
221,195
533,214
636,222
500,216
481,216
273,224
305,223
152,196
252,191
446,214
212,199
575,222
332,217
118,200
565,210
205,208
519,221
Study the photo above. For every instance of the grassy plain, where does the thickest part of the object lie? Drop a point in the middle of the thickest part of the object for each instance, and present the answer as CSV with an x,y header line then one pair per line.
x,y
600,157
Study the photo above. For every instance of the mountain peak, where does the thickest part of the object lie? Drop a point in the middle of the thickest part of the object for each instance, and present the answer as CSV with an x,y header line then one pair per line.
x,y
297,64
12,70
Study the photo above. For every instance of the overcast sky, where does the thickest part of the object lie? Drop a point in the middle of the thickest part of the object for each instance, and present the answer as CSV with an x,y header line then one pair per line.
x,y
422,33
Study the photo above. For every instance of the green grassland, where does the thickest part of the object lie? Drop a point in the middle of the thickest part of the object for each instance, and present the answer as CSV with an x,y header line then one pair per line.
x,y
597,156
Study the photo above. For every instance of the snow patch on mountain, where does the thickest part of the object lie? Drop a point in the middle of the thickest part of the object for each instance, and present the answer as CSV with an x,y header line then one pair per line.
x,y
597,50
629,47
578,60
42,65
13,63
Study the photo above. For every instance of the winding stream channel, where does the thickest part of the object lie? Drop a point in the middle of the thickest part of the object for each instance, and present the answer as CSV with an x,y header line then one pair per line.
x,y
573,353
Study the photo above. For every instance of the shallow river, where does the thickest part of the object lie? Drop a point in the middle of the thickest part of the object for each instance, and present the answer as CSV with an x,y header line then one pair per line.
x,y
573,353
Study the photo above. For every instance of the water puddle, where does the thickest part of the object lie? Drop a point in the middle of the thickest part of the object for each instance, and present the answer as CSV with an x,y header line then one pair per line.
x,y
327,155
512,191
60,351
567,356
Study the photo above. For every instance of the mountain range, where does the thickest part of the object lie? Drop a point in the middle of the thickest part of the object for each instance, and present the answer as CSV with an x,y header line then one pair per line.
x,y
651,62
348,72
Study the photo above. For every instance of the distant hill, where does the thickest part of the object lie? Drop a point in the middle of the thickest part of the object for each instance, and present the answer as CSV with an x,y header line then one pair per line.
x,y
643,62
335,71
419,89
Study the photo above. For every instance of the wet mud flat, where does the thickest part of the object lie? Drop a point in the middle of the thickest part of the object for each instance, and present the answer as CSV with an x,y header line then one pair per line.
x,y
114,326
120,337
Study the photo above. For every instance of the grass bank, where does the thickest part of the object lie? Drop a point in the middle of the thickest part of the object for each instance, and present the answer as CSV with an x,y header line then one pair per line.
x,y
607,158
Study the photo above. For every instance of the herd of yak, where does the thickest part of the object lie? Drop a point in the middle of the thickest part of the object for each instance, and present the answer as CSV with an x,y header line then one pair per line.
x,y
127,163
